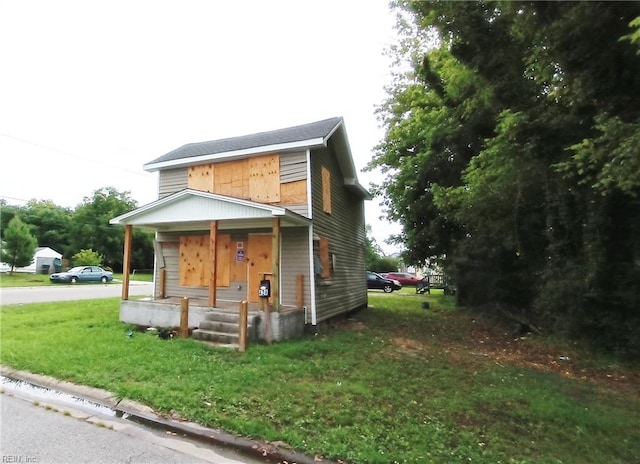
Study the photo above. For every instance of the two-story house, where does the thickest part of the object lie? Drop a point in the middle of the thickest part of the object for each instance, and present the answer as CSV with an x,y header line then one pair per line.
x,y
283,206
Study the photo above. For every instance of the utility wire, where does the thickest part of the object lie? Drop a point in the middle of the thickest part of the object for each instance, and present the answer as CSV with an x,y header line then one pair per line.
x,y
73,155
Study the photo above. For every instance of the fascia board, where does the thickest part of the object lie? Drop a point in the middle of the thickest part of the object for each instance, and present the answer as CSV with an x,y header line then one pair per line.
x,y
275,211
151,167
351,182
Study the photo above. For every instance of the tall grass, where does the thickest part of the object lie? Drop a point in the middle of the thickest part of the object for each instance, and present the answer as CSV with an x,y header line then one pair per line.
x,y
394,383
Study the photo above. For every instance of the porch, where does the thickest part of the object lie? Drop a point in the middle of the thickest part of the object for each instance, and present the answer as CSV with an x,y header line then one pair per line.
x,y
287,323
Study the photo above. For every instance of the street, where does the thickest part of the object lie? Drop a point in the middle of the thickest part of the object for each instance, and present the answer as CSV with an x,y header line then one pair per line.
x,y
63,292
36,430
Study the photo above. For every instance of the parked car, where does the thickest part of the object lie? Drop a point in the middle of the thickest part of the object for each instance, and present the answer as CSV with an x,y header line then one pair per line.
x,y
377,282
82,274
404,278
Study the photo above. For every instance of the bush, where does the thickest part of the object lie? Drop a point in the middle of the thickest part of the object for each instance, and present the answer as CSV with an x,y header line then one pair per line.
x,y
87,258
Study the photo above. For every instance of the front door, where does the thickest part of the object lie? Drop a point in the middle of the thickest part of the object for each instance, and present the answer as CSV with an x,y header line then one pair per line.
x,y
259,261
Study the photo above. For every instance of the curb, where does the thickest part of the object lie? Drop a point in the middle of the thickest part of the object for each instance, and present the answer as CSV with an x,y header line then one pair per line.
x,y
145,415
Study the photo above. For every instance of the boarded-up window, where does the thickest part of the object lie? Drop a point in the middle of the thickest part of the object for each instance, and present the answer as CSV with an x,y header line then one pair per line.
x,y
324,257
264,178
195,261
223,253
326,190
201,177
294,193
232,178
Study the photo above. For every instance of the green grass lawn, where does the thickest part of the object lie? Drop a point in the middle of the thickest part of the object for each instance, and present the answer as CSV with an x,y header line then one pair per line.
x,y
18,279
394,383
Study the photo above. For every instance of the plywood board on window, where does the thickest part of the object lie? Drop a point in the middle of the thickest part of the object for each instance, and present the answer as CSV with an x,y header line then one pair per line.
x,y
201,177
264,178
324,257
326,190
238,261
259,257
223,271
232,178
293,193
195,260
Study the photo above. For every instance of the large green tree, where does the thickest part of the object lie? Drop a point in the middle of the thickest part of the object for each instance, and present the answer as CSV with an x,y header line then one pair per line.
x,y
91,229
512,148
49,223
18,245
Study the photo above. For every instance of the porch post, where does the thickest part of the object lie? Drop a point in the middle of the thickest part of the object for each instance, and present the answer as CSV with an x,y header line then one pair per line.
x,y
213,258
275,264
126,261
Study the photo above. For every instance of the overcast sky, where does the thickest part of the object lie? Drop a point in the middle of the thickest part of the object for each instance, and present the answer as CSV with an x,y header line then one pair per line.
x,y
92,90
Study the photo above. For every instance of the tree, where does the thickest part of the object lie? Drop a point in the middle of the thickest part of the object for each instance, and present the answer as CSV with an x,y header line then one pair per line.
x,y
91,229
376,260
87,258
50,224
18,245
512,147
7,212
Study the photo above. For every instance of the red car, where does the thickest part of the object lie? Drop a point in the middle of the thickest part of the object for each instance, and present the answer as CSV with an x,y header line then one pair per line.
x,y
404,278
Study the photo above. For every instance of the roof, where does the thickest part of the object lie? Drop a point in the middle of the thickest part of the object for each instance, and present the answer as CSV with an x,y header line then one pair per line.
x,y
46,252
315,133
305,136
194,210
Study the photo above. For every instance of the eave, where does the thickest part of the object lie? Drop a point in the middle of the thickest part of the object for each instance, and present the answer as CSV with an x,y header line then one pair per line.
x,y
190,210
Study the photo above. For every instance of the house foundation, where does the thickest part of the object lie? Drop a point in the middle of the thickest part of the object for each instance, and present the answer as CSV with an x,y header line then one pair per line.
x,y
286,324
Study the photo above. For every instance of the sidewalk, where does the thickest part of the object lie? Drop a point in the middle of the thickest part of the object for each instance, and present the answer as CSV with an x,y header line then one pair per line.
x,y
140,413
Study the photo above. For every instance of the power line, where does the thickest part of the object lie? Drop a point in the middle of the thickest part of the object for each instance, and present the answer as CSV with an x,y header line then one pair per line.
x,y
73,155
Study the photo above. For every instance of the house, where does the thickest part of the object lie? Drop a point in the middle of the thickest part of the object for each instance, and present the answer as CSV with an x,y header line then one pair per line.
x,y
45,261
283,206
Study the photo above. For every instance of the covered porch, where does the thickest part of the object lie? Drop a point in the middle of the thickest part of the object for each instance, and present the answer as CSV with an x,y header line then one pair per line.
x,y
215,251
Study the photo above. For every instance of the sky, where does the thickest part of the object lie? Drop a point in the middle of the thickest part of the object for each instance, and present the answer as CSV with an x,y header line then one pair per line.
x,y
92,90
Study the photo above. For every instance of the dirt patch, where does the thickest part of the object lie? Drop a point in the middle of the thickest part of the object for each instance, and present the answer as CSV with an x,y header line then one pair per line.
x,y
535,352
469,342
348,324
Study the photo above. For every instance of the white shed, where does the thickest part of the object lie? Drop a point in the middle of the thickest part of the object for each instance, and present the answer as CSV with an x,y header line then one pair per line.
x,y
45,261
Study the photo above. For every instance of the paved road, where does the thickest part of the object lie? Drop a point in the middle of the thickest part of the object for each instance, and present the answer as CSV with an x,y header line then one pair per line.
x,y
40,431
18,295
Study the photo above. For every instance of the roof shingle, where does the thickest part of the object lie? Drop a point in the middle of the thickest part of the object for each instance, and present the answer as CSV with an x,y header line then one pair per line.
x,y
314,130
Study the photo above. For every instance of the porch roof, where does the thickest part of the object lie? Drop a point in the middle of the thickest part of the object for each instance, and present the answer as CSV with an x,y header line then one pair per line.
x,y
194,210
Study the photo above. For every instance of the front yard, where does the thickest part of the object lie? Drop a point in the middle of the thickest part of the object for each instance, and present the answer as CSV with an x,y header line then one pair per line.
x,y
19,279
394,383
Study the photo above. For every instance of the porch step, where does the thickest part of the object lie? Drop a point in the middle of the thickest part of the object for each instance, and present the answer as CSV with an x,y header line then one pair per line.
x,y
222,327
216,337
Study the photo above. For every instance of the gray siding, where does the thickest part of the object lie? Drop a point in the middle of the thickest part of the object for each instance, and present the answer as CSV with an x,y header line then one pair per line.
x,y
171,181
345,228
294,260
293,167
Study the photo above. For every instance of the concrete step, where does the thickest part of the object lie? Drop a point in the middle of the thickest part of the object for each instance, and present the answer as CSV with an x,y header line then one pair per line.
x,y
224,316
215,337
218,326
